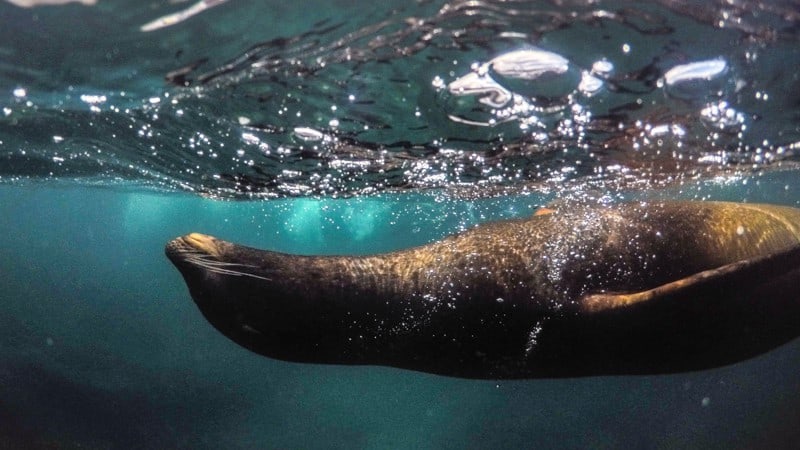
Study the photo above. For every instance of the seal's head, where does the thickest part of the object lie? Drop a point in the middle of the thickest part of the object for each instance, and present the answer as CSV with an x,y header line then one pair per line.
x,y
252,296
208,266
201,259
197,253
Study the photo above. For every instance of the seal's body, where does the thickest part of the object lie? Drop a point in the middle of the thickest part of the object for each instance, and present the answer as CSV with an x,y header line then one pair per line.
x,y
585,290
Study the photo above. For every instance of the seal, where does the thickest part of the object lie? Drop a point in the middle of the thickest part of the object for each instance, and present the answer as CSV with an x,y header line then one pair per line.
x,y
574,290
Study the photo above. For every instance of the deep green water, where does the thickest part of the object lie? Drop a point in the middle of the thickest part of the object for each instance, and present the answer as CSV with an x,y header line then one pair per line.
x,y
102,346
326,127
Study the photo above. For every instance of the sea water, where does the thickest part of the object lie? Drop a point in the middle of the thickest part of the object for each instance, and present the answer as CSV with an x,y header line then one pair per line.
x,y
461,113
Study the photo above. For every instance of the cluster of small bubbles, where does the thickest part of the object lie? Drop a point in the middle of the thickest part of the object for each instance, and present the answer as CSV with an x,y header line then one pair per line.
x,y
93,99
533,336
145,131
655,134
722,115
198,141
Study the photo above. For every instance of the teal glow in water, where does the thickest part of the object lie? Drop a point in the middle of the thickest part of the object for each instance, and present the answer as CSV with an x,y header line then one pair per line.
x,y
103,347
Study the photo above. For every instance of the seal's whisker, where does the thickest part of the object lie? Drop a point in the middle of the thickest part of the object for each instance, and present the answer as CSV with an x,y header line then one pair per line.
x,y
197,255
219,267
217,264
222,271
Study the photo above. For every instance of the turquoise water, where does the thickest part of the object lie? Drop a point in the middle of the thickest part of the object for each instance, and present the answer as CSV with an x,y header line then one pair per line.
x,y
103,348
102,161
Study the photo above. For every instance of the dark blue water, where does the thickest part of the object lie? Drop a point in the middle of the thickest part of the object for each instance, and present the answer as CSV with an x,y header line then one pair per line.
x,y
103,160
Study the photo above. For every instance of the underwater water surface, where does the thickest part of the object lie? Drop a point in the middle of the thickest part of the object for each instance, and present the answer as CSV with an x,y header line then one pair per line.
x,y
351,128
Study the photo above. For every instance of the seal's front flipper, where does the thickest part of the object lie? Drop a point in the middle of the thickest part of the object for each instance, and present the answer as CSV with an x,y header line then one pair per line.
x,y
709,319
748,274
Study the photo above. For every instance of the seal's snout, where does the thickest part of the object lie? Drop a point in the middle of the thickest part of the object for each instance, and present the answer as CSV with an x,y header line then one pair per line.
x,y
182,247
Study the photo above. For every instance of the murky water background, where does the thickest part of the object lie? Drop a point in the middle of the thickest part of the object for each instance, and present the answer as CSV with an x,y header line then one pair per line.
x,y
356,128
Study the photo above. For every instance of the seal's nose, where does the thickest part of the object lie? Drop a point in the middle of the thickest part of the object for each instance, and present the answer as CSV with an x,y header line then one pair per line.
x,y
179,249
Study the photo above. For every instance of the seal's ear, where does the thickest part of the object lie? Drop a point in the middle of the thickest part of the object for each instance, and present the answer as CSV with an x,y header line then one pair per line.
x,y
725,278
